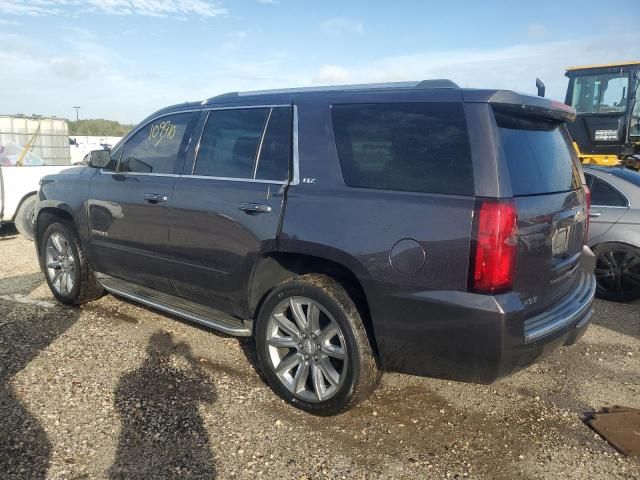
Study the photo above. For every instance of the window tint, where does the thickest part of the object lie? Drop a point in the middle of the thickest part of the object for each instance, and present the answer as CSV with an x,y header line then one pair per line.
x,y
273,163
604,194
159,146
229,143
420,147
538,155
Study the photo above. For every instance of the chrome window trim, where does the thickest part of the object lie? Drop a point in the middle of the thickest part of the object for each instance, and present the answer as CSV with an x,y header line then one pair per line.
x,y
616,189
138,174
244,107
234,179
295,177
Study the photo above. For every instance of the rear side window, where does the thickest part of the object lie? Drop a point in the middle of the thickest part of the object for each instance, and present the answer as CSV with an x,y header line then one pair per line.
x,y
604,195
229,143
251,143
538,154
418,147
273,163
159,146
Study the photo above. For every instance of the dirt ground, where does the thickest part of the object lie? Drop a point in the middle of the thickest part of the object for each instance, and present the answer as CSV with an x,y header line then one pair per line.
x,y
120,391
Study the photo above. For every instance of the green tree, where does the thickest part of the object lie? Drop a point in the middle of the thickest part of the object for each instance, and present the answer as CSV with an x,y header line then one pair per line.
x,y
98,127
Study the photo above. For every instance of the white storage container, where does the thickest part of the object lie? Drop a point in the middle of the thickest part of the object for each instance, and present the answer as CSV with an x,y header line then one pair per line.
x,y
49,146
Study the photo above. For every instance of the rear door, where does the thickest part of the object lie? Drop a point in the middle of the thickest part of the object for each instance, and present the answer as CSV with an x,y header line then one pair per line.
x,y
546,181
129,205
226,208
608,205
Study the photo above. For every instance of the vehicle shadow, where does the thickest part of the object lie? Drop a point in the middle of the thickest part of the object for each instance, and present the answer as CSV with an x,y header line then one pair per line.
x,y
8,232
25,450
629,326
247,344
163,435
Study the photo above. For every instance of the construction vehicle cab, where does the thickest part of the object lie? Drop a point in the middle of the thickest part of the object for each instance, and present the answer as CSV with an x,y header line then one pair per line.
x,y
607,126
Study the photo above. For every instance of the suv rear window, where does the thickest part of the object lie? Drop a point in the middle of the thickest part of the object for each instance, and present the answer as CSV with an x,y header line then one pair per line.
x,y
418,147
538,154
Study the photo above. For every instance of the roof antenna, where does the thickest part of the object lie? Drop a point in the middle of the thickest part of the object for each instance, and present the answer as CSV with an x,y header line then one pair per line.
x,y
540,86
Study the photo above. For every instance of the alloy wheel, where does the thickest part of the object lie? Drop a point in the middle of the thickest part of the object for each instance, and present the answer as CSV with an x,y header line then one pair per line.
x,y
60,263
307,349
618,272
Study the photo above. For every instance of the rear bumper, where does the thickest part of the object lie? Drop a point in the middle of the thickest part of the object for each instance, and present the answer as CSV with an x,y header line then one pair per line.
x,y
470,337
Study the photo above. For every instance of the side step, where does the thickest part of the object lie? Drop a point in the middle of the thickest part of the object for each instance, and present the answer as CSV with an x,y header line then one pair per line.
x,y
178,306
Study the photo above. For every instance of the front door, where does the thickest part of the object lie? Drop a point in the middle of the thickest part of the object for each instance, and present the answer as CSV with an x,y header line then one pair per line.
x,y
129,205
226,209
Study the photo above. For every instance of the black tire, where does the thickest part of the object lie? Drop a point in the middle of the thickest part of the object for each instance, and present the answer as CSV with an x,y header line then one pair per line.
x,y
617,272
361,374
24,217
85,286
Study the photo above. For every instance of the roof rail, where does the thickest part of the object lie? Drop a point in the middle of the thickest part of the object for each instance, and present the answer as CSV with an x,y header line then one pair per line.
x,y
436,83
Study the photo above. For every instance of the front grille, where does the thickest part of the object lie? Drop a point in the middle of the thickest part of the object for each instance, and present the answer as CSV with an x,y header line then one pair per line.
x,y
573,306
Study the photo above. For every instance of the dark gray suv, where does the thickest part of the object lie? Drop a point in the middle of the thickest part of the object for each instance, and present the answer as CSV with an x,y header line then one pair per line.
x,y
415,227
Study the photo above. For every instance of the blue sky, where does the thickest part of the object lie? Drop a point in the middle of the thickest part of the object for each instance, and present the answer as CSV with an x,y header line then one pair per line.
x,y
122,59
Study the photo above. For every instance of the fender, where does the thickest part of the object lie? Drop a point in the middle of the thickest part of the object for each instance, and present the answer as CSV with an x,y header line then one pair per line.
x,y
56,205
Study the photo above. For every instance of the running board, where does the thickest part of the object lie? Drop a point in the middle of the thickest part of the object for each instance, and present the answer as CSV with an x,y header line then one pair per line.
x,y
178,306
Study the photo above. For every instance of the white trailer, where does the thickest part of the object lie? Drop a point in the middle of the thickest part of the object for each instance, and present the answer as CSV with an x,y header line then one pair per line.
x,y
30,148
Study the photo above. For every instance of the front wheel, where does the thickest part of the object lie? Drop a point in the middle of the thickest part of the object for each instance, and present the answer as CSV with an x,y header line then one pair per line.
x,y
312,346
617,272
65,266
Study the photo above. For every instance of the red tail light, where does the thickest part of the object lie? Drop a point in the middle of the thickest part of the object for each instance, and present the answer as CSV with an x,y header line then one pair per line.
x,y
495,246
587,192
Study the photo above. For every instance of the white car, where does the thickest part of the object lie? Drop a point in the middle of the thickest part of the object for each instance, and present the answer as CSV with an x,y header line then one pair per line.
x,y
19,194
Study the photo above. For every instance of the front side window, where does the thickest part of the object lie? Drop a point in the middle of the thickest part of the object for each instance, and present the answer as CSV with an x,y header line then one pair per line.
x,y
605,93
159,146
418,147
250,143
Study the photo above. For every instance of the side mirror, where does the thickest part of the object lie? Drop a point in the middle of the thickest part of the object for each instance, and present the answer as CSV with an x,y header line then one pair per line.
x,y
100,159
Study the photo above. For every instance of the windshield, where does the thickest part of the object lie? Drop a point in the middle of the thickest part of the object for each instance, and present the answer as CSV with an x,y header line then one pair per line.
x,y
604,93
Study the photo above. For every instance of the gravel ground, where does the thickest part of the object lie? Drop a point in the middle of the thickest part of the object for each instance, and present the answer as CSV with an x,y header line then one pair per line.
x,y
120,391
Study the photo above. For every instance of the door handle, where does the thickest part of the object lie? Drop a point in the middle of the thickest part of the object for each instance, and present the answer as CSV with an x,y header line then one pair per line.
x,y
155,197
594,214
254,208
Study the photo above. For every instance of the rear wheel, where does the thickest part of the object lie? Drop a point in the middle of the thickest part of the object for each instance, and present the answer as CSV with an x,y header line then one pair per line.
x,y
24,217
65,266
617,272
312,346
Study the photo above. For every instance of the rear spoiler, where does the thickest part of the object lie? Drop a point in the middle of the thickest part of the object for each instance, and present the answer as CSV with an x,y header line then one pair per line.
x,y
517,103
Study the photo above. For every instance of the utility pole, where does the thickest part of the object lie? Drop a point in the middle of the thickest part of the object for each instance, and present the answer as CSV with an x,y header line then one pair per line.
x,y
77,110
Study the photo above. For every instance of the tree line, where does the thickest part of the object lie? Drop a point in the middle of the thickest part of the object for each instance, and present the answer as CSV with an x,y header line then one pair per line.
x,y
98,127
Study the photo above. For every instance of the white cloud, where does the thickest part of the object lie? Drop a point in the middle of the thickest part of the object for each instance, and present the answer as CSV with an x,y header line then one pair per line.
x,y
157,8
269,2
515,67
31,7
332,74
339,26
107,84
8,22
49,79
